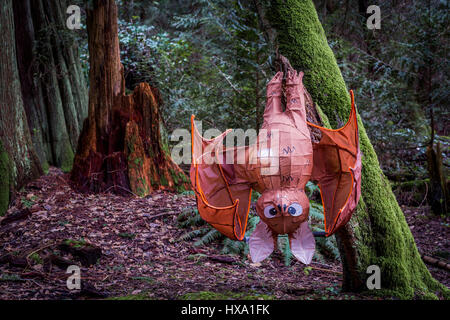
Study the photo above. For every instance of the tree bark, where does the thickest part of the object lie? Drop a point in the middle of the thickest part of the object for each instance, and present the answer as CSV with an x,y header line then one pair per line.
x,y
378,233
53,86
120,146
18,161
437,197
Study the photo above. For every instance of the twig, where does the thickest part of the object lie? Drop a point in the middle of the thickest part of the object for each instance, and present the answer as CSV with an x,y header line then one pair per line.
x,y
62,179
161,214
39,249
35,282
327,270
426,194
117,186
225,77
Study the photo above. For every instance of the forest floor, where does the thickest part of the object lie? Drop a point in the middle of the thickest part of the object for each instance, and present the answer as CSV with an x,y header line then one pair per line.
x,y
142,257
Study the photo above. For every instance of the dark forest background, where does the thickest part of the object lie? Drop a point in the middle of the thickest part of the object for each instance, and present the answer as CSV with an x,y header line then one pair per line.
x,y
82,122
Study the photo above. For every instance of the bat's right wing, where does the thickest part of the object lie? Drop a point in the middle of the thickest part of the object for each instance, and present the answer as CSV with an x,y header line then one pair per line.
x,y
337,168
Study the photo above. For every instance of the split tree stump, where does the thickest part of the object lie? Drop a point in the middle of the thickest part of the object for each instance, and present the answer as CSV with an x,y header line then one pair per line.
x,y
120,147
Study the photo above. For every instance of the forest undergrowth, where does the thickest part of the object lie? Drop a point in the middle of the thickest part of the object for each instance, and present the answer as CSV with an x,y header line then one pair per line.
x,y
156,247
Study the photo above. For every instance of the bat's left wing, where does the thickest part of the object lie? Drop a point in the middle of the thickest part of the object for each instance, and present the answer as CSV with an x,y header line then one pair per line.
x,y
337,168
223,195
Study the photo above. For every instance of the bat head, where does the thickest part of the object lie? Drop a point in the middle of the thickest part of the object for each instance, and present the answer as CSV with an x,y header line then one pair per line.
x,y
283,210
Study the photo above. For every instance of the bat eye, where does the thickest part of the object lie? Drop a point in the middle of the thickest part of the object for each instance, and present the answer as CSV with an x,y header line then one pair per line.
x,y
270,212
295,209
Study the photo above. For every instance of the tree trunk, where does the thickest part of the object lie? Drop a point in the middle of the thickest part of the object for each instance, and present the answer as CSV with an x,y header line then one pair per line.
x,y
53,86
437,197
18,161
378,233
120,146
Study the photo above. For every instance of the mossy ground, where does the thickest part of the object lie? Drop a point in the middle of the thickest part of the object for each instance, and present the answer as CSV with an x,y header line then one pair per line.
x,y
202,295
140,296
383,236
209,295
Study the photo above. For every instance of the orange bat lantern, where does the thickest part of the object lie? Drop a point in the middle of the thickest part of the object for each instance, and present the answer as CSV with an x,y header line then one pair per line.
x,y
278,166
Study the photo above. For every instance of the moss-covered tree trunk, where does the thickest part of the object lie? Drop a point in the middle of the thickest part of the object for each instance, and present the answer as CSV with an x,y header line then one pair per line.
x,y
120,147
18,161
53,87
378,233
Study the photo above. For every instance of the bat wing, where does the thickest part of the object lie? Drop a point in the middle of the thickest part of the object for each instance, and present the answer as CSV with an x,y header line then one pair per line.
x,y
263,241
223,196
337,168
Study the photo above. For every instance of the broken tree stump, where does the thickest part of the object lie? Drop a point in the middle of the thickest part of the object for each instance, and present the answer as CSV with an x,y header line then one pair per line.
x,y
120,147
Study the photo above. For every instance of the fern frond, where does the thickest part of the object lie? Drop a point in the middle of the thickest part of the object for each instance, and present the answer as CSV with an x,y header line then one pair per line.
x,y
233,246
318,257
186,213
283,246
192,234
316,211
251,224
192,221
212,235
310,188
328,247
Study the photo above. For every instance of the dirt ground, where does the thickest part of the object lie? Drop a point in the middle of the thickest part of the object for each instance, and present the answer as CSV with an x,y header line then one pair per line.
x,y
142,257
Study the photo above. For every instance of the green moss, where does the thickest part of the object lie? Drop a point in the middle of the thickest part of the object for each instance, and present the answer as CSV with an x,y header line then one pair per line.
x,y
183,177
138,162
141,296
27,203
174,176
383,236
67,158
180,188
302,40
179,180
164,139
45,167
208,295
127,235
36,258
164,181
5,180
76,243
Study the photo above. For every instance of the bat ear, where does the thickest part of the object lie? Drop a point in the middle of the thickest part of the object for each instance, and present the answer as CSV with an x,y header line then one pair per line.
x,y
261,242
302,243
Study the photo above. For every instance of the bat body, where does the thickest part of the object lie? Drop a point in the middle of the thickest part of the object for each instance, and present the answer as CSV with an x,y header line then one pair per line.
x,y
278,166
